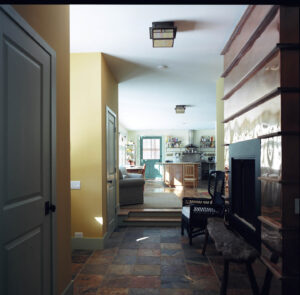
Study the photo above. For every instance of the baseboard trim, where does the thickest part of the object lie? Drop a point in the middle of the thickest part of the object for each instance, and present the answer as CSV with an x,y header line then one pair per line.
x,y
89,243
69,289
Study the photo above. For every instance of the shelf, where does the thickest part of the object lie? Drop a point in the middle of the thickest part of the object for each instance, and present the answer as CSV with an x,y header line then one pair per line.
x,y
270,222
272,267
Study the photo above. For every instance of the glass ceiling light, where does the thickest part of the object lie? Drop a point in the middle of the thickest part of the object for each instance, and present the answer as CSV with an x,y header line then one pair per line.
x,y
162,34
180,109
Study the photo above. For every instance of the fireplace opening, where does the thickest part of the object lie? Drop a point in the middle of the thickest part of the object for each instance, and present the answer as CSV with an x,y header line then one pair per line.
x,y
244,190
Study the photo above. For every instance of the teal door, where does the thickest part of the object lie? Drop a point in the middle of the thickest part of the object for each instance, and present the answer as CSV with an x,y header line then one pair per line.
x,y
151,156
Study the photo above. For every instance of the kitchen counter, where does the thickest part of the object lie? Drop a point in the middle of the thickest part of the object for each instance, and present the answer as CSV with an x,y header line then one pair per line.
x,y
180,163
181,173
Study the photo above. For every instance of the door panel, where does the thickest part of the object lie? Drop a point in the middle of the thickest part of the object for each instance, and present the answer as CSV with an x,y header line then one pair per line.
x,y
25,157
151,154
111,169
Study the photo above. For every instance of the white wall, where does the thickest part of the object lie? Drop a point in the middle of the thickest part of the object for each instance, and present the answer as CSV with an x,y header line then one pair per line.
x,y
123,138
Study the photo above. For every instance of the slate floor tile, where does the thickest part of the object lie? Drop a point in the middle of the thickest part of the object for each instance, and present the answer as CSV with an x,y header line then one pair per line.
x,y
76,267
101,260
80,258
129,245
170,239
129,252
146,270
147,260
116,282
173,270
113,291
206,283
143,291
85,280
144,282
175,282
85,291
106,252
149,252
124,259
119,270
167,260
200,270
170,246
172,252
149,245
176,292
97,269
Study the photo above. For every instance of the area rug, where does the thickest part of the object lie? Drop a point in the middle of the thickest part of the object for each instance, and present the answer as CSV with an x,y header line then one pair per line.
x,y
158,201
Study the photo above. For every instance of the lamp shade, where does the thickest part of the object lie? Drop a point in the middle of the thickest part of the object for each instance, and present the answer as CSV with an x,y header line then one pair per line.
x,y
162,34
180,109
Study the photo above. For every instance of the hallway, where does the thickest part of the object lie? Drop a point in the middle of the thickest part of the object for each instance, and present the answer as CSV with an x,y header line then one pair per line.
x,y
156,261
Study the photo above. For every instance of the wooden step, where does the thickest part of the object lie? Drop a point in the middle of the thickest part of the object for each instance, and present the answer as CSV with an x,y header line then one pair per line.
x,y
153,219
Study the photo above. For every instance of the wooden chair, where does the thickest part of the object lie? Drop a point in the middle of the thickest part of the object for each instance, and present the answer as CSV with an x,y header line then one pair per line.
x,y
195,211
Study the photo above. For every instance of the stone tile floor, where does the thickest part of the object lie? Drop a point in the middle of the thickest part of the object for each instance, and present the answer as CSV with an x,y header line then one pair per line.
x,y
156,261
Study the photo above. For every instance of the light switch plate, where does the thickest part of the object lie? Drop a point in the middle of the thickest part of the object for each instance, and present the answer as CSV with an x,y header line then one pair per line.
x,y
75,184
78,234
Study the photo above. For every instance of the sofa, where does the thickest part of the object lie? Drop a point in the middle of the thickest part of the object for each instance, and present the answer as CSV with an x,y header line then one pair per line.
x,y
131,187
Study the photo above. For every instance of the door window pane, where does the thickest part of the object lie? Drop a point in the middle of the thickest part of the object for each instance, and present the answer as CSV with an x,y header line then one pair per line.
x,y
151,149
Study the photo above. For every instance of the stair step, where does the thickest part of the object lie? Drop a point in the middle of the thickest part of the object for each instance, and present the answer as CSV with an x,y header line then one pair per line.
x,y
153,219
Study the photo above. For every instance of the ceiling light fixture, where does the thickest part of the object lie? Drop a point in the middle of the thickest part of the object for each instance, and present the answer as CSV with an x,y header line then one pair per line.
x,y
180,109
162,34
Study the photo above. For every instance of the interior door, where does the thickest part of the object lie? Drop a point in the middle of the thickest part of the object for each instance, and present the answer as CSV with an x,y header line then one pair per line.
x,y
111,167
151,155
27,157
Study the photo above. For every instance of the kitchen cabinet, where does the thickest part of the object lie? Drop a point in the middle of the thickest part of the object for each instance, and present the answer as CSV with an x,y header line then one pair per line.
x,y
180,174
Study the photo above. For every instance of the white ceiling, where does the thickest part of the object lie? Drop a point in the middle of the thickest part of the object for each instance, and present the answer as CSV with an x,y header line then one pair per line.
x,y
148,95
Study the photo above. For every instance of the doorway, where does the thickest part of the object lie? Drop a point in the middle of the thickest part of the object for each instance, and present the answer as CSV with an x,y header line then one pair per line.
x,y
151,155
111,169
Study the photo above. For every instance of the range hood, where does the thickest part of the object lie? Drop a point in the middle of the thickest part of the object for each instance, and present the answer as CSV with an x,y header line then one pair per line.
x,y
191,144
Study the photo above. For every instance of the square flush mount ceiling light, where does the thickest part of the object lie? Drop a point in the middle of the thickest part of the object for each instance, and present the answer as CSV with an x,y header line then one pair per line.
x,y
162,34
180,109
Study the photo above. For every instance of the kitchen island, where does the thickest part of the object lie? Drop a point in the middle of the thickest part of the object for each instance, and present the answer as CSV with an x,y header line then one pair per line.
x,y
181,174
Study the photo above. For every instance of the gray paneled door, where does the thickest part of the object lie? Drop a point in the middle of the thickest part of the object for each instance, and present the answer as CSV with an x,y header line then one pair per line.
x,y
27,155
111,163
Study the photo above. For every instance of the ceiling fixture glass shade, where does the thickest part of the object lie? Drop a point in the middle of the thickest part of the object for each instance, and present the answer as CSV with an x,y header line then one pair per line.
x,y
162,34
180,109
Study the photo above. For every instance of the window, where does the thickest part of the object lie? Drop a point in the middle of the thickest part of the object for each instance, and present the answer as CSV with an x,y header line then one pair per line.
x,y
151,148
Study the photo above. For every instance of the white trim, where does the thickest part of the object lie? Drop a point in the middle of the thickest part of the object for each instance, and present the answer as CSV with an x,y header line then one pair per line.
x,y
21,22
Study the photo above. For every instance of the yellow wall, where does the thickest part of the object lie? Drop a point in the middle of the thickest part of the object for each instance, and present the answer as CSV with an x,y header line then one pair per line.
x,y
109,91
92,87
220,125
86,143
51,22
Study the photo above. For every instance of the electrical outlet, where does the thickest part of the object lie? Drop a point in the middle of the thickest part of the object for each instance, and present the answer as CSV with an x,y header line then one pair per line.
x,y
75,184
78,234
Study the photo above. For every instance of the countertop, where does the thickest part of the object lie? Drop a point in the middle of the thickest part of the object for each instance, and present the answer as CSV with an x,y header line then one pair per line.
x,y
180,163
183,163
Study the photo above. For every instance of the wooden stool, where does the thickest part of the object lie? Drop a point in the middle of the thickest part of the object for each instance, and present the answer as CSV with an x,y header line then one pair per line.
x,y
194,181
233,248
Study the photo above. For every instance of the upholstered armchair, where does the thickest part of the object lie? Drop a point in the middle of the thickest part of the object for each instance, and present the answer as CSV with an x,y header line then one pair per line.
x,y
131,186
